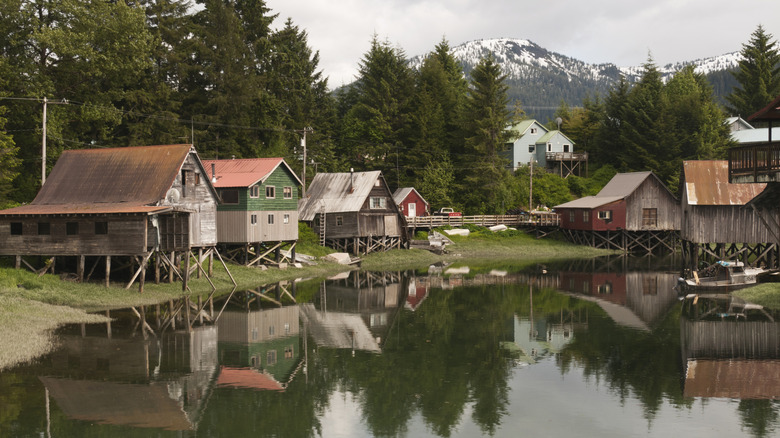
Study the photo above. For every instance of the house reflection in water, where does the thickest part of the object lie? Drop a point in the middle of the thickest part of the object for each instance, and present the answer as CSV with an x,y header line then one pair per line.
x,y
354,312
259,349
730,348
632,299
117,378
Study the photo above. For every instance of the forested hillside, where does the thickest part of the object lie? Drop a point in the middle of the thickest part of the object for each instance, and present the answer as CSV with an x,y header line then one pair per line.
x,y
219,76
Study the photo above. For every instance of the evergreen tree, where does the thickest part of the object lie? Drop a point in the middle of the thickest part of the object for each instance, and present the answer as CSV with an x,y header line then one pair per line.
x,y
487,184
758,75
375,128
436,183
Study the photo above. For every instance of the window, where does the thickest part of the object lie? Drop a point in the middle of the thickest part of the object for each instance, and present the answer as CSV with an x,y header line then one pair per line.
x,y
229,196
71,228
16,228
339,221
270,219
271,330
44,228
377,183
101,227
531,148
288,352
253,219
571,216
270,192
586,216
377,202
254,191
533,130
549,147
649,285
270,357
286,328
287,218
605,215
288,192
649,217
605,289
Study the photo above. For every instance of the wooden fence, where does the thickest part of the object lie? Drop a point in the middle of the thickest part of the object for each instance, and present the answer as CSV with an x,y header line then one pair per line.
x,y
535,220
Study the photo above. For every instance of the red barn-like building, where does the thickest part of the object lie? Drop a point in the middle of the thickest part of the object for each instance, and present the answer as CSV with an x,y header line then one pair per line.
x,y
633,212
410,202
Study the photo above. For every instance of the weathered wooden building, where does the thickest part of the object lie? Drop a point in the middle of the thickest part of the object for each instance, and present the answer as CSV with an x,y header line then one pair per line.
x,y
410,202
131,202
634,212
353,212
258,213
716,222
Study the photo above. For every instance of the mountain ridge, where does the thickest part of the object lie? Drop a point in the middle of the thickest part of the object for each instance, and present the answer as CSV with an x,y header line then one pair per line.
x,y
541,79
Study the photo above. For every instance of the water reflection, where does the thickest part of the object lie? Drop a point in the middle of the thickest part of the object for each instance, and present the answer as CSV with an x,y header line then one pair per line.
x,y
601,348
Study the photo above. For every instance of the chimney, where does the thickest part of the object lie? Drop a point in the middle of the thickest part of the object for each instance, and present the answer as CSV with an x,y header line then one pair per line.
x,y
351,180
213,173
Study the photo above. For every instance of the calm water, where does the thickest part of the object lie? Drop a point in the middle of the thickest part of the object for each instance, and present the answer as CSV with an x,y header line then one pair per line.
x,y
602,349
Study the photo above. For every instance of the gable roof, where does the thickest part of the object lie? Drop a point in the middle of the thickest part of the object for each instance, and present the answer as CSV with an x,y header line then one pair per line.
x,y
621,186
337,192
245,172
549,135
402,192
706,182
112,180
767,113
523,126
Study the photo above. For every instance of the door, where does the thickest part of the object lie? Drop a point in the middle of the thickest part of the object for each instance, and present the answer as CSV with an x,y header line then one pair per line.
x,y
412,209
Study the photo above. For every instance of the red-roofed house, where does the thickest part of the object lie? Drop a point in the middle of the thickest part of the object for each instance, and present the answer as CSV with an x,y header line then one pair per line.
x,y
259,209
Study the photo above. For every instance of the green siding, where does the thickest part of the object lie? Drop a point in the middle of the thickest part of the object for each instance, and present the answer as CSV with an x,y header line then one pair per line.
x,y
279,178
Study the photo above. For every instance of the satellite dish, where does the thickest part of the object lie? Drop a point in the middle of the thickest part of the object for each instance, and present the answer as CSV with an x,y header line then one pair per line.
x,y
173,196
559,120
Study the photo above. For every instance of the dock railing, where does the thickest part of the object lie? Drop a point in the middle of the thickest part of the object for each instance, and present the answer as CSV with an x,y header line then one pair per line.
x,y
534,219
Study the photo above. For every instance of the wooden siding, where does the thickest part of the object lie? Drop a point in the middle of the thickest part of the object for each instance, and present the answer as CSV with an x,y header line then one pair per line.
x,y
236,226
196,197
279,179
723,224
127,235
618,220
652,194
421,207
259,326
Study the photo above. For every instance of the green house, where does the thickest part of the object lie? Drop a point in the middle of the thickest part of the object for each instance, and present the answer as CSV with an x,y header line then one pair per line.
x,y
258,210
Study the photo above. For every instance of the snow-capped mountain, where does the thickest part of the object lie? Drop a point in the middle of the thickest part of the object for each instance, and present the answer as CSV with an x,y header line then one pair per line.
x,y
541,79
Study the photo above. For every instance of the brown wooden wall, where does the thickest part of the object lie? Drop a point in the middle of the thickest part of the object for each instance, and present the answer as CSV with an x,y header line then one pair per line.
x,y
723,224
126,235
237,227
652,194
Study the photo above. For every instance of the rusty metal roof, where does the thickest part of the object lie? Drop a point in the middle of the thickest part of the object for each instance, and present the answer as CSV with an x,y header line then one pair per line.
x,y
706,182
337,192
115,180
244,172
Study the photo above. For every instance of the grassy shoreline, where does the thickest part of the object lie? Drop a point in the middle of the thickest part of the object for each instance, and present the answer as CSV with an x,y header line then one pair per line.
x,y
31,307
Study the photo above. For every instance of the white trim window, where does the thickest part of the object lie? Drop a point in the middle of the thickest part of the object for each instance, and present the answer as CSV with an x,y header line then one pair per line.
x,y
377,202
270,192
254,191
287,192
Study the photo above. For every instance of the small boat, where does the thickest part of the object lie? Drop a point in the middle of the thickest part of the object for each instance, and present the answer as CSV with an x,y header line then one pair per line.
x,y
722,276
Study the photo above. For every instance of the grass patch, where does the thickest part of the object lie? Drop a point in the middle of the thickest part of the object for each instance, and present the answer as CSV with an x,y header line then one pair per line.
x,y
764,294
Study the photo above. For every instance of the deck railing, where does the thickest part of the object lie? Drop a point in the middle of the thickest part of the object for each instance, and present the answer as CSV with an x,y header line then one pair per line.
x,y
754,163
540,219
567,156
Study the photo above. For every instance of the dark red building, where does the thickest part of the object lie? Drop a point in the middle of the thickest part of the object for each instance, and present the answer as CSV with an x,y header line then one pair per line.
x,y
410,202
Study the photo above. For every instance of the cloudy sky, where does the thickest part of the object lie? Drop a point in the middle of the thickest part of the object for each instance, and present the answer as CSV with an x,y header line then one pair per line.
x,y
621,32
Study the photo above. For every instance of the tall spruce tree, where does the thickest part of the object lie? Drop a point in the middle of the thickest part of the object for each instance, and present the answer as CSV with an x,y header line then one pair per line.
x,y
487,184
758,75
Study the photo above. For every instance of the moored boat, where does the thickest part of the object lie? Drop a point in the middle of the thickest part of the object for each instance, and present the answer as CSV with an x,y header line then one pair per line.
x,y
722,276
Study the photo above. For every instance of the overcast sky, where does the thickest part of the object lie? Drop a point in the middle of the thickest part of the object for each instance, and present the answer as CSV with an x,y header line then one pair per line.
x,y
621,32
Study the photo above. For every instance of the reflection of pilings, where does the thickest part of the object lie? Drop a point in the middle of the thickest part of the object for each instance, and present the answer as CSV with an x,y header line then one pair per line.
x,y
448,282
182,311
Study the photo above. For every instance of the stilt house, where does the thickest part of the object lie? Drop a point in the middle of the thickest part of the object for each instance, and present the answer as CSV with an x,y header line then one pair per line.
x,y
131,202
410,202
353,212
716,222
634,212
258,212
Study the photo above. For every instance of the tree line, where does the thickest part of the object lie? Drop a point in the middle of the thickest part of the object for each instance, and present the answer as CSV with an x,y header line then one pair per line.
x,y
218,75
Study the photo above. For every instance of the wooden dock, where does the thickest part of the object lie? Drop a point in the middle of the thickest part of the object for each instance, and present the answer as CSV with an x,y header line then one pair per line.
x,y
510,220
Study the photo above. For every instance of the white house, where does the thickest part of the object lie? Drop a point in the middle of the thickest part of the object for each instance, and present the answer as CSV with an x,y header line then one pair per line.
x,y
550,149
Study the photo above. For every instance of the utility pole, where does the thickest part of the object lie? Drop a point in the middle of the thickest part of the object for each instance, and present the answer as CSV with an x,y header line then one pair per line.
x,y
531,187
303,145
43,131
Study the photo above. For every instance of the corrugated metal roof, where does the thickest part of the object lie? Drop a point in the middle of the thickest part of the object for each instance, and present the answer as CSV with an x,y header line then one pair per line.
x,y
757,135
624,184
244,172
590,202
523,126
137,175
337,192
402,192
548,136
707,183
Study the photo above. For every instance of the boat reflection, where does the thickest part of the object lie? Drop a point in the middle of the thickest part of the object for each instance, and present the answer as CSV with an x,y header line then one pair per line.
x,y
730,348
